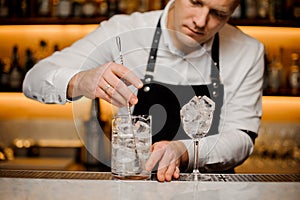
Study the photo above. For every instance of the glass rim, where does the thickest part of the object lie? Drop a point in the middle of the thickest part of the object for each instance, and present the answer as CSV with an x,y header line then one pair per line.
x,y
132,116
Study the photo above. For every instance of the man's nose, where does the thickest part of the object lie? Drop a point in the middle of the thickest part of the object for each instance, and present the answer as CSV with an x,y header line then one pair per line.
x,y
201,17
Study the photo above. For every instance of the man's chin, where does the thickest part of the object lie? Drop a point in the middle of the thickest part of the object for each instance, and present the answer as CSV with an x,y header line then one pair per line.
x,y
189,41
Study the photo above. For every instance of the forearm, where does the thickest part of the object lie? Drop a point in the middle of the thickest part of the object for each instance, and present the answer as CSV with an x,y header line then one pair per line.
x,y
220,152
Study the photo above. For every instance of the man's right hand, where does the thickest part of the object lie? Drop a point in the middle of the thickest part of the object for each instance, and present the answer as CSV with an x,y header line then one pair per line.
x,y
108,82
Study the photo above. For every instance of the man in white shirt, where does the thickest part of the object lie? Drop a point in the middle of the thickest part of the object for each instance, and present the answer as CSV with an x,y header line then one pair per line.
x,y
181,45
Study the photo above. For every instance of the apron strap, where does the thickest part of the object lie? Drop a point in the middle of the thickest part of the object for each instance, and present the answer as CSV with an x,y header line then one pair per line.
x,y
153,53
215,74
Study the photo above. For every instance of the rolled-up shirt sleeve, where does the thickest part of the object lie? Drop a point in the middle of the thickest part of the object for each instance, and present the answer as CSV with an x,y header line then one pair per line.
x,y
46,85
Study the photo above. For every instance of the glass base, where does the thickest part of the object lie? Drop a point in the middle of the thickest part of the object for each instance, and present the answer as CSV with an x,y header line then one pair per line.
x,y
195,177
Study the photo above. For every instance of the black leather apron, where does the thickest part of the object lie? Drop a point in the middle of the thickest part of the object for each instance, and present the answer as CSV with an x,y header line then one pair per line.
x,y
164,101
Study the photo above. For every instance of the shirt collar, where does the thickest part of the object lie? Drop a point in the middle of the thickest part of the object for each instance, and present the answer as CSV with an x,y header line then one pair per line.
x,y
167,40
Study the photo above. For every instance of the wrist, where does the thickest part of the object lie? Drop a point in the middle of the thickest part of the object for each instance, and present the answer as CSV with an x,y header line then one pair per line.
x,y
71,87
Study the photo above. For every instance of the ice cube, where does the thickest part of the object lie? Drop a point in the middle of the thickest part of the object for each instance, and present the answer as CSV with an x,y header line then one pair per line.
x,y
142,128
197,116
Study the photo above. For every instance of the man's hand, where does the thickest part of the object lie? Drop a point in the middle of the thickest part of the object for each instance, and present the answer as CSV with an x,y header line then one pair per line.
x,y
169,156
108,82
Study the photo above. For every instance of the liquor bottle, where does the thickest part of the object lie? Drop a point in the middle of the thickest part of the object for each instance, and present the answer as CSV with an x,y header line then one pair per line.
x,y
29,62
89,8
16,72
24,8
122,6
76,8
296,10
103,8
263,9
144,6
64,8
284,75
294,76
274,76
4,76
251,9
132,6
44,8
3,8
279,9
276,10
266,75
112,7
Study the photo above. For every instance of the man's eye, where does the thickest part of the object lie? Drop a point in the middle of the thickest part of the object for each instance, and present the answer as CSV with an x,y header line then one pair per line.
x,y
218,14
196,2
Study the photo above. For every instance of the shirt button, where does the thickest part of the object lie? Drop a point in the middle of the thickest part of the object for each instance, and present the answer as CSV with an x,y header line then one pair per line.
x,y
215,85
146,89
215,94
148,80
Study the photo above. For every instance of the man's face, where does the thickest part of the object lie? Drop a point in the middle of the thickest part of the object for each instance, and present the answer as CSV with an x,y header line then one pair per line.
x,y
199,20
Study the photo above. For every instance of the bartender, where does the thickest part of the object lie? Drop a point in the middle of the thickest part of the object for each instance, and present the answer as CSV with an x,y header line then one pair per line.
x,y
167,57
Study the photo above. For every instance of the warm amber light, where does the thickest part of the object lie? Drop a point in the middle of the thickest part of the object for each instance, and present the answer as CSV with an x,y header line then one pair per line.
x,y
281,109
275,38
17,106
29,36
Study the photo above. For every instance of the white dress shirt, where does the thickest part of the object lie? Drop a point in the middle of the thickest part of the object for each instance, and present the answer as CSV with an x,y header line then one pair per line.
x,y
241,73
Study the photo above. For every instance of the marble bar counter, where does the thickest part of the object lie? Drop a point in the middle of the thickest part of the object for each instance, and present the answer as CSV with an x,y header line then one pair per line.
x,y
20,184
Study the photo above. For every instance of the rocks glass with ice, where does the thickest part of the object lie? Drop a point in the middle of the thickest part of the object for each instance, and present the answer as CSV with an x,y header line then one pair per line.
x,y
196,117
131,144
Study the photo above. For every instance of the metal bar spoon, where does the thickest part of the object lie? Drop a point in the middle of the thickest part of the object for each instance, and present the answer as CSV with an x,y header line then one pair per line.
x,y
118,41
137,160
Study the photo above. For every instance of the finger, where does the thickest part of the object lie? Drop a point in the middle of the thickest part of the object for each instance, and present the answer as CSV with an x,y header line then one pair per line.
x,y
124,73
168,163
176,173
102,95
103,85
155,156
166,167
113,95
122,90
168,173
